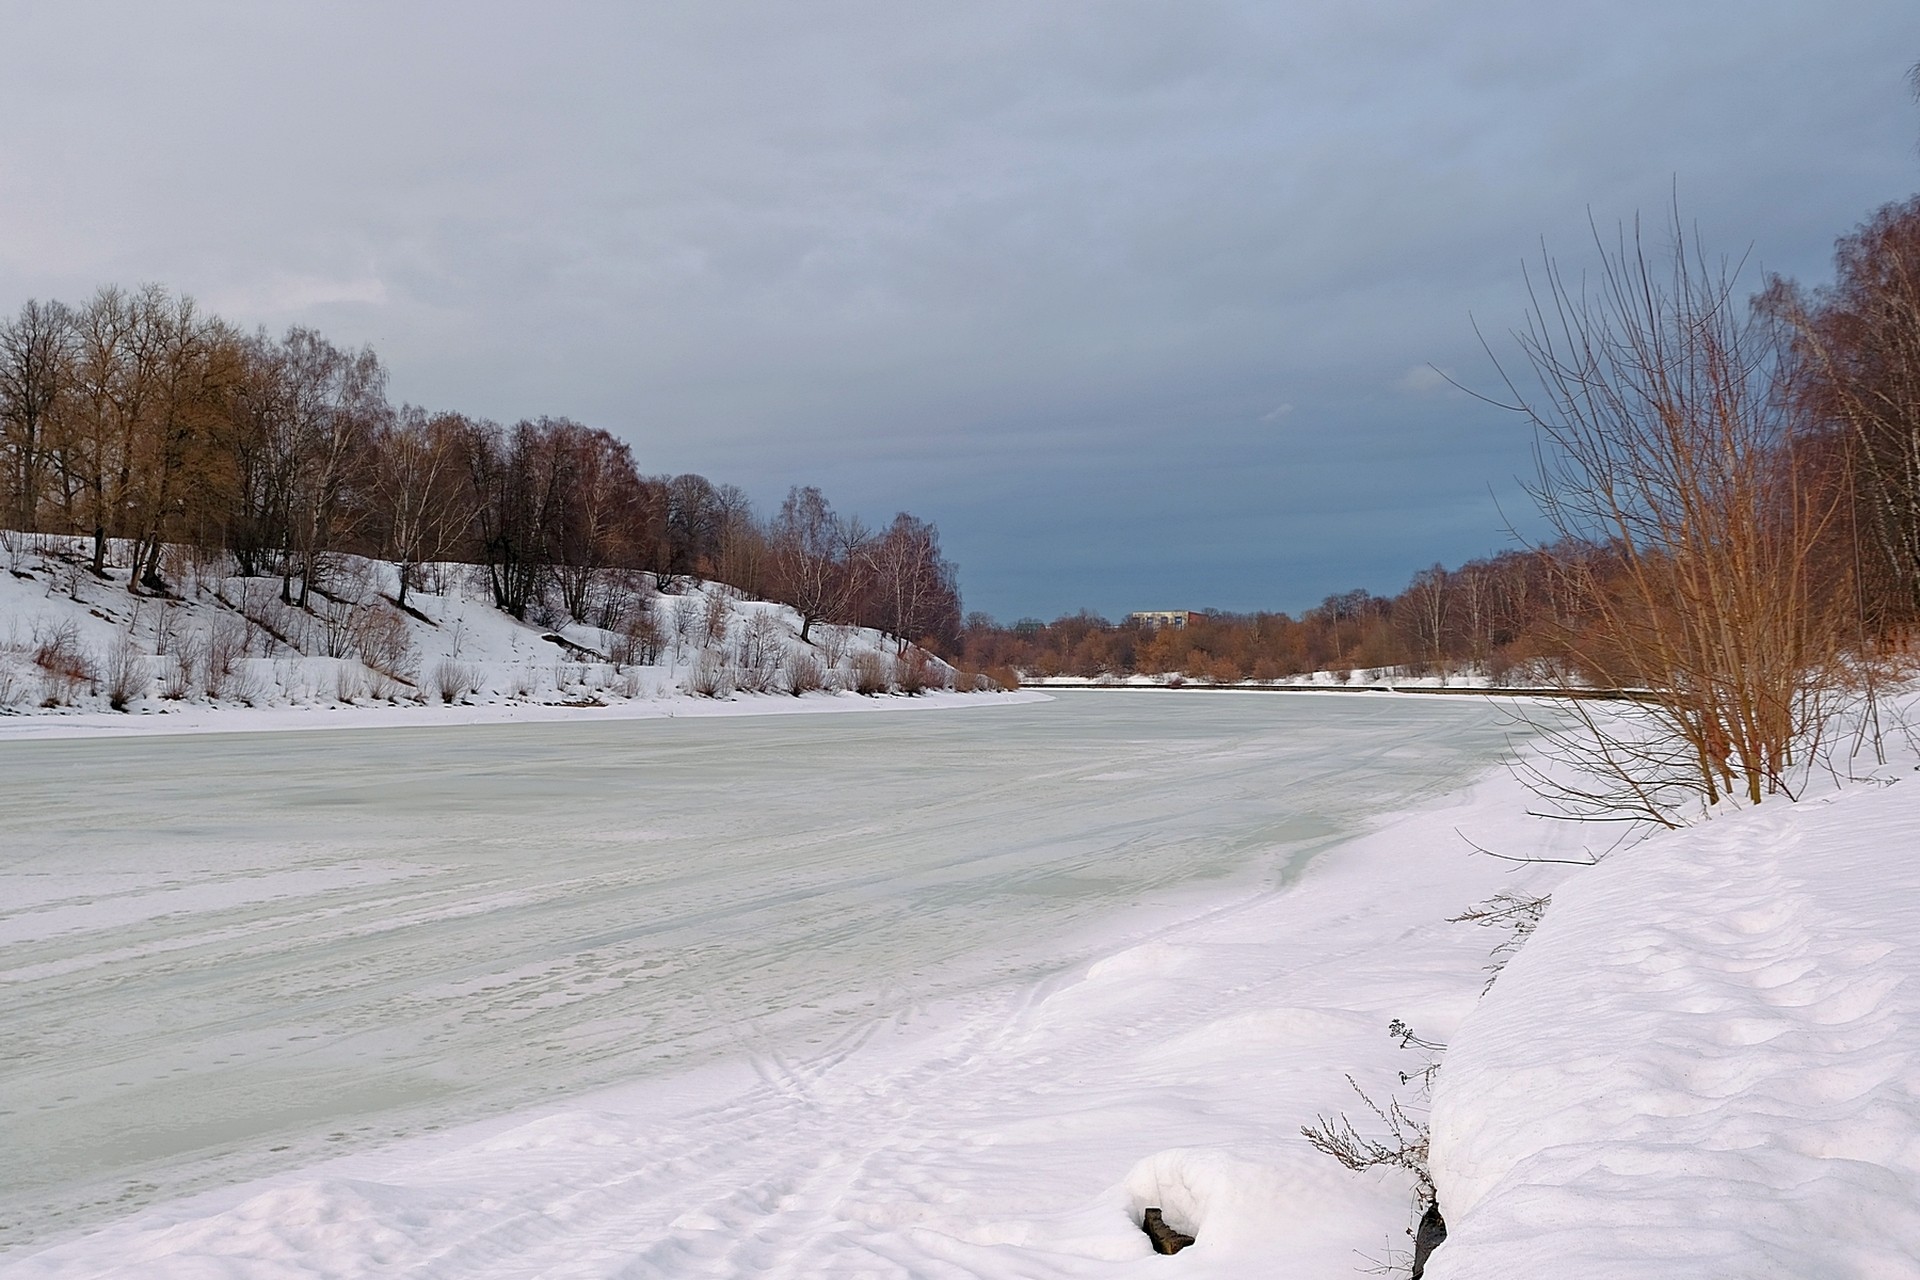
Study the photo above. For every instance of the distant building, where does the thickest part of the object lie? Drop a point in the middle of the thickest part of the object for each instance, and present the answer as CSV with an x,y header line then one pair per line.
x,y
1153,618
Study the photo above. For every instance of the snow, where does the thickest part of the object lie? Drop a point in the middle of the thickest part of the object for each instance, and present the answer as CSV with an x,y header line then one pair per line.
x,y
946,996
823,995
352,657
1705,1063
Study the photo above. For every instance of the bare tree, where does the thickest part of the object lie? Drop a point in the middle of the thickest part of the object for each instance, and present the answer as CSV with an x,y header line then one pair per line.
x,y
594,507
1857,352
911,582
1428,598
335,400
1667,448
809,545
741,545
693,525
179,477
418,490
36,371
113,387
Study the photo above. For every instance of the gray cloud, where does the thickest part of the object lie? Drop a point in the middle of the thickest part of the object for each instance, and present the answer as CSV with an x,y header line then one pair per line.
x,y
1042,273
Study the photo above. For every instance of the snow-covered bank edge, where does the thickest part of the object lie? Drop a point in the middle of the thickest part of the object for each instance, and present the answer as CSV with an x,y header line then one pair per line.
x,y
228,719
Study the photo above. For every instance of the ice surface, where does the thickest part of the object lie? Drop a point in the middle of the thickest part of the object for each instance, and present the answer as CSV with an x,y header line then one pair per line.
x,y
229,955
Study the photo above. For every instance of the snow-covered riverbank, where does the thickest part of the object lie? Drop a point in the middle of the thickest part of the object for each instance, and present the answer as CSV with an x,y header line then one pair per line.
x,y
80,654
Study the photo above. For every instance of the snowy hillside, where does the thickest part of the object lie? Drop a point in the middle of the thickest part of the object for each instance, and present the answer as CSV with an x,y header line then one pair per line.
x,y
72,643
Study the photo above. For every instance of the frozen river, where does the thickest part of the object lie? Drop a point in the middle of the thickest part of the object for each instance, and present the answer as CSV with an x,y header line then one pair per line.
x,y
224,955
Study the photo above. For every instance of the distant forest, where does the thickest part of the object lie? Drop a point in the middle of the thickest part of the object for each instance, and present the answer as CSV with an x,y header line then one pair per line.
x,y
1491,615
137,417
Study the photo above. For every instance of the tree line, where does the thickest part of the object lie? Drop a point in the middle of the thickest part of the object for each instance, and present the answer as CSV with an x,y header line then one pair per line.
x,y
1499,616
138,417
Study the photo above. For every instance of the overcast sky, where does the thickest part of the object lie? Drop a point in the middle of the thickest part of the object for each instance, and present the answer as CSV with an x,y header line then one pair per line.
x,y
1136,301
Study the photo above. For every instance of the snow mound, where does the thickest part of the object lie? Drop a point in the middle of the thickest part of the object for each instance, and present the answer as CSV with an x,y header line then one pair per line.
x,y
1212,1194
1245,1209
1706,1062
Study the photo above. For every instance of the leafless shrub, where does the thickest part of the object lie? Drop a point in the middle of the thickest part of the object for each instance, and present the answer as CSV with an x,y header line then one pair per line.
x,y
199,569
182,676
165,634
872,673
177,562
714,620
382,639
67,669
128,677
638,642
332,624
452,679
349,682
760,639
1402,1140
833,644
710,677
805,674
914,671
268,618
429,578
246,685
226,647
622,595
12,689
686,623
758,658
1670,448
755,678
